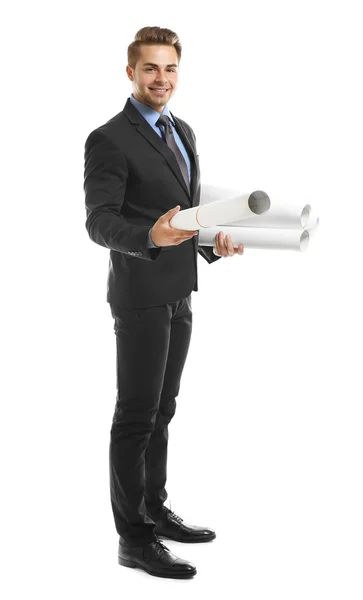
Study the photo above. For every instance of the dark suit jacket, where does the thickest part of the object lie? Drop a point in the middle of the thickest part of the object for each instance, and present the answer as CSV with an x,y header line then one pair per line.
x,y
131,178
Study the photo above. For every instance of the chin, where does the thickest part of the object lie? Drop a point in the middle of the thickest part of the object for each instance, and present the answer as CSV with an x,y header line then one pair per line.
x,y
159,101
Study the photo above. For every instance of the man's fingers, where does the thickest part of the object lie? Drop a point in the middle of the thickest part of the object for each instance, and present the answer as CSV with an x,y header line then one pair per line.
x,y
222,242
218,245
221,248
188,236
224,245
229,245
168,215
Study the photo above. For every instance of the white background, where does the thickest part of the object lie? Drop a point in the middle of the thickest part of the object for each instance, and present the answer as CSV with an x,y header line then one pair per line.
x,y
266,443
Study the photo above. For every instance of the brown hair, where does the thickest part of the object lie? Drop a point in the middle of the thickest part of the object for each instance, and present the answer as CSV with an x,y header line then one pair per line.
x,y
152,36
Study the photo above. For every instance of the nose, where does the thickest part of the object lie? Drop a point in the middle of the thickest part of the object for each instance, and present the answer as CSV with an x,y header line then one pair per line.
x,y
161,79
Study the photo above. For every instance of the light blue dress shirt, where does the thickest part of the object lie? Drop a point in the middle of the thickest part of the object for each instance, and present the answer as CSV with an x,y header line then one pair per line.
x,y
151,117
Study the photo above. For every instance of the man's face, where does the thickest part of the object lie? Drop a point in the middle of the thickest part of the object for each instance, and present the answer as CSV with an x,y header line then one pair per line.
x,y
161,74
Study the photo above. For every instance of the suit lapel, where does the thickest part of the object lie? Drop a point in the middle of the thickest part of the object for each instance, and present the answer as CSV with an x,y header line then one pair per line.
x,y
189,145
155,140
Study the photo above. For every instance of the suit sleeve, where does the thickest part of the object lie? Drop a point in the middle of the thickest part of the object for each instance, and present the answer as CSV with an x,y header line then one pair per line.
x,y
205,251
208,254
105,179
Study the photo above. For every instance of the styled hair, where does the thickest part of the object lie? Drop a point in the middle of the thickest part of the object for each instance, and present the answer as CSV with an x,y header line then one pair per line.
x,y
152,36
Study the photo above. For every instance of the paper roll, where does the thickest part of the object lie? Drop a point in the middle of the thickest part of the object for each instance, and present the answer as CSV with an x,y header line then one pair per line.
x,y
270,239
313,221
213,193
280,216
312,227
240,206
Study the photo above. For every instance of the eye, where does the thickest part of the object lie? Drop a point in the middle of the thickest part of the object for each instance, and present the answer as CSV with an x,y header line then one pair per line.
x,y
153,69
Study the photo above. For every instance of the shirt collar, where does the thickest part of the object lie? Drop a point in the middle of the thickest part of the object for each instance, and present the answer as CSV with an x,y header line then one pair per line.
x,y
149,113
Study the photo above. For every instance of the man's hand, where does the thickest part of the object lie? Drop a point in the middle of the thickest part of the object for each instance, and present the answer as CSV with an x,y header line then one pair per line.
x,y
224,246
163,234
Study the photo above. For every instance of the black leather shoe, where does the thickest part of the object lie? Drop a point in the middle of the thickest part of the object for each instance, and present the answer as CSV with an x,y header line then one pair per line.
x,y
173,527
155,559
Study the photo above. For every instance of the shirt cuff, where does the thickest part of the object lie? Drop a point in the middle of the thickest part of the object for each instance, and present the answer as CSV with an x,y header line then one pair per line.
x,y
150,244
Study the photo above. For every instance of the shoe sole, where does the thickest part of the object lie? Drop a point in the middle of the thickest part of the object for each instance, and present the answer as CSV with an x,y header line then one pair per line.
x,y
133,565
190,541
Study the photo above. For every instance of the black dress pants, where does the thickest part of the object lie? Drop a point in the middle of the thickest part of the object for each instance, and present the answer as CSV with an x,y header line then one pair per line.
x,y
152,346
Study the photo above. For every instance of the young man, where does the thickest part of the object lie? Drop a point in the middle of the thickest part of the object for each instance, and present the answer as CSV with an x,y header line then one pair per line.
x,y
141,167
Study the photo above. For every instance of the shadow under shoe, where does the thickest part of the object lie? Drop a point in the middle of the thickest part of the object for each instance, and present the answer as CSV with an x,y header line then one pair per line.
x,y
156,559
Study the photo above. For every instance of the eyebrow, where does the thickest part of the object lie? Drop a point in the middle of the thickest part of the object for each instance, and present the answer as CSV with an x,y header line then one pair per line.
x,y
155,65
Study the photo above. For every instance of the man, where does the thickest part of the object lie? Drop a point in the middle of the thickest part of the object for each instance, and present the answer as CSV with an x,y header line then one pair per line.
x,y
141,167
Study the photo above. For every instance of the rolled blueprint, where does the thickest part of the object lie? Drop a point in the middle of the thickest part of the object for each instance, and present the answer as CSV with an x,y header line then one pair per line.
x,y
280,216
231,208
313,221
271,239
312,226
